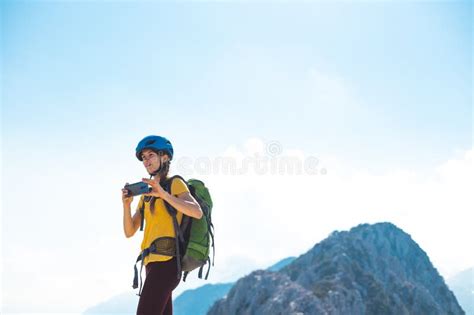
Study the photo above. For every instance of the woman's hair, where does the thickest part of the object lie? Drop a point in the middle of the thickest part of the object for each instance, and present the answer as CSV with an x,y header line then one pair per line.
x,y
164,170
163,174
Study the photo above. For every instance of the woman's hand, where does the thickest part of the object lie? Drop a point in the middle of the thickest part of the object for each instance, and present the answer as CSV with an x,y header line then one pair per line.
x,y
126,199
156,189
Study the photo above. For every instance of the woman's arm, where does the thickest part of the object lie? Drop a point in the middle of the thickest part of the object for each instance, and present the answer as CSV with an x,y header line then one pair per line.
x,y
130,225
184,203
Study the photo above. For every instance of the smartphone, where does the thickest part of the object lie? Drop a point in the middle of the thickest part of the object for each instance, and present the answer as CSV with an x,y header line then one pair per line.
x,y
137,189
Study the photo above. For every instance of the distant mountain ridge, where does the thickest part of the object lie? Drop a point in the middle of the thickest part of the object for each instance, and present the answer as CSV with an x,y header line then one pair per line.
x,y
371,269
125,303
198,301
281,264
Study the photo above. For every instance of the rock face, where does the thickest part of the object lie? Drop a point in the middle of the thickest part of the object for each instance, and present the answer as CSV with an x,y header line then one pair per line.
x,y
199,300
265,292
371,269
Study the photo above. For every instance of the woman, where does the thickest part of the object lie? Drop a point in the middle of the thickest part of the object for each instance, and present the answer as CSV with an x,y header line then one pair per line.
x,y
156,153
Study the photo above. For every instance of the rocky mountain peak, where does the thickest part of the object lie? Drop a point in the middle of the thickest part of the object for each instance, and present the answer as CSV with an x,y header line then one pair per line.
x,y
371,269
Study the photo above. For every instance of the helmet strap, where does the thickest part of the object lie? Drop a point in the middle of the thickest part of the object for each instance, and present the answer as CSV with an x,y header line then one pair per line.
x,y
159,168
157,171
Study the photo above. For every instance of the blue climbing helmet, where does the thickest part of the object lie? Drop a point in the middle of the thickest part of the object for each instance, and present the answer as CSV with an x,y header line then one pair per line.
x,y
155,143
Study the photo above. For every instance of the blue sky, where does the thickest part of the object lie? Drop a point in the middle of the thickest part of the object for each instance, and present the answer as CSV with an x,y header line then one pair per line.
x,y
376,86
408,64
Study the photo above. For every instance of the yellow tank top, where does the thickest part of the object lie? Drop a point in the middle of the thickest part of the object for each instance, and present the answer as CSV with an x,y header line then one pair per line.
x,y
160,223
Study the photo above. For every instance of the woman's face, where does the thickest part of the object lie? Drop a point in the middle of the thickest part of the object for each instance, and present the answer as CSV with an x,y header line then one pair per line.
x,y
151,160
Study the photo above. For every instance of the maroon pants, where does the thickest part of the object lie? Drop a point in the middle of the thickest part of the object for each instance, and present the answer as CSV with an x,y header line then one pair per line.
x,y
161,280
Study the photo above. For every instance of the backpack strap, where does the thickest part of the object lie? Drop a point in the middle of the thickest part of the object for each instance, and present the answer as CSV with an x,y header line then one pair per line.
x,y
211,233
178,231
142,214
178,236
151,200
135,275
185,275
210,228
186,220
208,261
141,258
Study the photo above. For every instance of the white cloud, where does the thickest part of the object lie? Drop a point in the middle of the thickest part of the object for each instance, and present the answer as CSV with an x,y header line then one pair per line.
x,y
268,217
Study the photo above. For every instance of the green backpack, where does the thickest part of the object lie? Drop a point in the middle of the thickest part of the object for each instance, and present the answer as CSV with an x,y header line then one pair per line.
x,y
195,236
